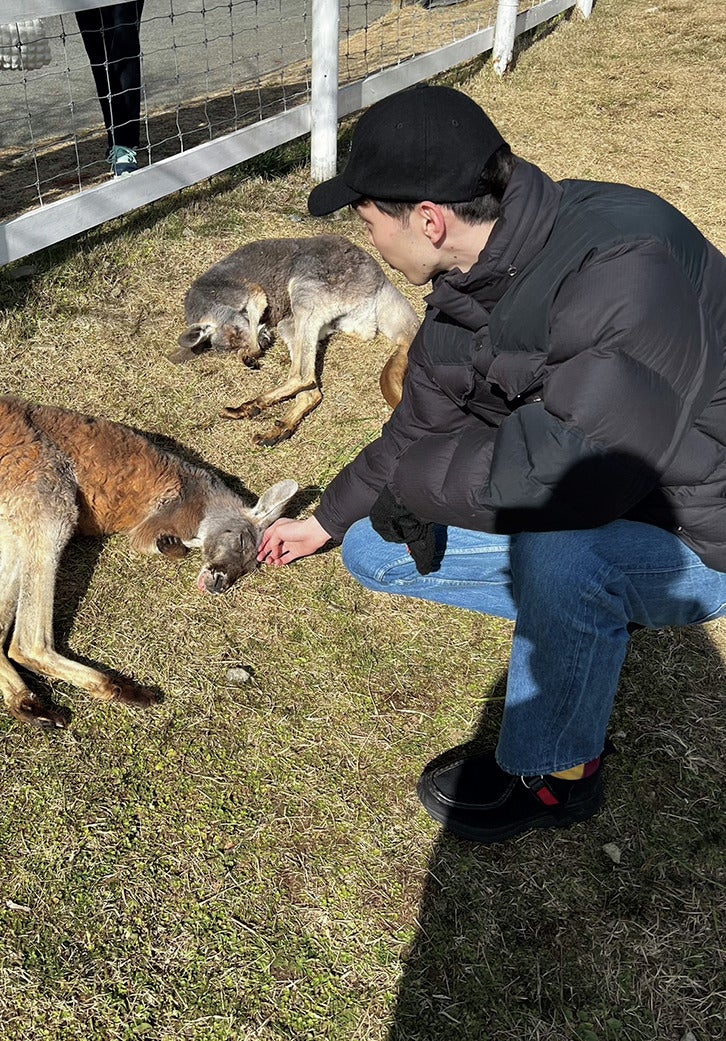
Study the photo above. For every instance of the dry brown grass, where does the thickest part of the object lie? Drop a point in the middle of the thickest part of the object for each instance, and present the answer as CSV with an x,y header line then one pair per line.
x,y
251,863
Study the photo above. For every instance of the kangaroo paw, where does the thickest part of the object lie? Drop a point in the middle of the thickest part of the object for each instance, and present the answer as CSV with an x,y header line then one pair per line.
x,y
279,433
247,410
39,712
171,546
124,691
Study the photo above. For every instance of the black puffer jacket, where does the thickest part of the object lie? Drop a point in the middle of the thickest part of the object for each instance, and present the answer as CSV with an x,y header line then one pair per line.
x,y
577,374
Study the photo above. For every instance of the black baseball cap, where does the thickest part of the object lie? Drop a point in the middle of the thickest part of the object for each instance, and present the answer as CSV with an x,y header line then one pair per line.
x,y
422,143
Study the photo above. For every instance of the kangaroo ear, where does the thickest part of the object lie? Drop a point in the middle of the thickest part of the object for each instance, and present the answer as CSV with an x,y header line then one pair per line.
x,y
271,503
192,342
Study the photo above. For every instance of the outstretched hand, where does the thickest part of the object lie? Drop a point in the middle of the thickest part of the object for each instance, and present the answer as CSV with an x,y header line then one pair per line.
x,y
287,540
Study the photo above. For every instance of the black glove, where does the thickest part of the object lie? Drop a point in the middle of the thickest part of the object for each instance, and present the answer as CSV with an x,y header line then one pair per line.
x,y
395,523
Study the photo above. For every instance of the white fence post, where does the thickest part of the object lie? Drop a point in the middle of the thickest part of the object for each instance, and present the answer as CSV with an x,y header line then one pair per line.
x,y
504,33
324,90
584,7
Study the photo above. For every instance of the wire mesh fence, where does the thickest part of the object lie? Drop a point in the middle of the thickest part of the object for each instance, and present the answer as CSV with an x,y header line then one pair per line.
x,y
206,69
164,77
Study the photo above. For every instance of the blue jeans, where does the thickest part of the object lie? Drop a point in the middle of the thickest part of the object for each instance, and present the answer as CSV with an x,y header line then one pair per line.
x,y
572,596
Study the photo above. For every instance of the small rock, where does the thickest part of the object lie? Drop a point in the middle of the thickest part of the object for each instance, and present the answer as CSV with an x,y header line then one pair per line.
x,y
613,851
238,675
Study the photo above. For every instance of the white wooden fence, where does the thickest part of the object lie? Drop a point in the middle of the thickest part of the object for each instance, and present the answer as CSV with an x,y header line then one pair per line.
x,y
355,54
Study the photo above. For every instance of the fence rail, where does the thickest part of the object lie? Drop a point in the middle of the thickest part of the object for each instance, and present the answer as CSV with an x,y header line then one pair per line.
x,y
224,81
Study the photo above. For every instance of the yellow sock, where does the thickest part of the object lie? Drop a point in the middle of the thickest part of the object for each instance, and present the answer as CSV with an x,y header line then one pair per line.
x,y
575,773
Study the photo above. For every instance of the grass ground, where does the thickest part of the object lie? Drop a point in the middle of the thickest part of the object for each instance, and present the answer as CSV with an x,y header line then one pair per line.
x,y
251,862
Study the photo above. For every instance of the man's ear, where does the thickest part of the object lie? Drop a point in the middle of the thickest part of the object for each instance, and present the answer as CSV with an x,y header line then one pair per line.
x,y
433,221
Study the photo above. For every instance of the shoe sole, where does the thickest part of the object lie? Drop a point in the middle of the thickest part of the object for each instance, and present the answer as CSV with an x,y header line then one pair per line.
x,y
487,836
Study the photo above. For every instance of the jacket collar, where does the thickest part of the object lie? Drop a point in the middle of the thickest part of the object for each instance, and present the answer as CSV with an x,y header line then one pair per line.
x,y
530,206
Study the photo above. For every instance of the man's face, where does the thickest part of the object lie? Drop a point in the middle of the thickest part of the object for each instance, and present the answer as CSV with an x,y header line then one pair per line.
x,y
403,244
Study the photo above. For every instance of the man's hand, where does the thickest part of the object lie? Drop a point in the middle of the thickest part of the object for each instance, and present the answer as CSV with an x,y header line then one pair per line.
x,y
287,540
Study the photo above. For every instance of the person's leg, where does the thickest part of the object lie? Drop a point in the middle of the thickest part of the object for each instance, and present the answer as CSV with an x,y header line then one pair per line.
x,y
577,595
574,596
123,48
472,570
90,26
111,38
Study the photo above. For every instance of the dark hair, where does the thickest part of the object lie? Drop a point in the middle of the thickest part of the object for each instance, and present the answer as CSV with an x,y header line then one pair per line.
x,y
484,207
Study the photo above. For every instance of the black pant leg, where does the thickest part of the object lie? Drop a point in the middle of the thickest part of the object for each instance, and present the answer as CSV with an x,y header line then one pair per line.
x,y
111,37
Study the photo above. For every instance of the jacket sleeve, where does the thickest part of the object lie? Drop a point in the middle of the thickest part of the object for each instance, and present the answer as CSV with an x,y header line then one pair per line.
x,y
424,410
629,369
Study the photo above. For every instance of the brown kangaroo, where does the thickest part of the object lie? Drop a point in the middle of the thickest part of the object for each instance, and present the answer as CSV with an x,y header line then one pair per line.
x,y
63,473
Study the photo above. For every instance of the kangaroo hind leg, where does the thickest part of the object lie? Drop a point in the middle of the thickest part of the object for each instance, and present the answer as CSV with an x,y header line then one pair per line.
x,y
21,702
32,643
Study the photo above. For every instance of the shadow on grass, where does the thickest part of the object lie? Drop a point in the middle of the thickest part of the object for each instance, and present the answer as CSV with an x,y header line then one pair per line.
x,y
608,930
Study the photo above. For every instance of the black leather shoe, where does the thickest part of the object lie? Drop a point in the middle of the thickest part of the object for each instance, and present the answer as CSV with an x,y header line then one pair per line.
x,y
475,799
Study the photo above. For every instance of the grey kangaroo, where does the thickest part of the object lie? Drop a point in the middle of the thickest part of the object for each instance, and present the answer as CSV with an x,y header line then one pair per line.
x,y
63,473
305,288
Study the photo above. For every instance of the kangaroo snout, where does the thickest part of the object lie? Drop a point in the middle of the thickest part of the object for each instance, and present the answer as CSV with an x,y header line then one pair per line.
x,y
215,582
229,556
